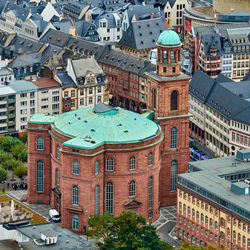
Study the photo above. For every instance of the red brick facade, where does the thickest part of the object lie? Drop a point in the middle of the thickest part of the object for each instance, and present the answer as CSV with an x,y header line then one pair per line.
x,y
87,180
170,113
168,98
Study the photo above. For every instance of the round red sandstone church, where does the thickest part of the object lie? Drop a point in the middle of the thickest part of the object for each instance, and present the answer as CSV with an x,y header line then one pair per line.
x,y
93,160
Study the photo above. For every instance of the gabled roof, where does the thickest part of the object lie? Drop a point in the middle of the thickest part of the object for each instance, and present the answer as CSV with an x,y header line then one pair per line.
x,y
143,34
109,17
18,11
83,66
211,42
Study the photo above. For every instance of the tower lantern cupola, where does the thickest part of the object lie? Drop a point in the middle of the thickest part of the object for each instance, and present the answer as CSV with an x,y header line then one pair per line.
x,y
168,54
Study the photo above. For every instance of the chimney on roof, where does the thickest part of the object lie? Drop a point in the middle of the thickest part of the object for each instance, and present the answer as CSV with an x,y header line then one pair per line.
x,y
152,16
158,13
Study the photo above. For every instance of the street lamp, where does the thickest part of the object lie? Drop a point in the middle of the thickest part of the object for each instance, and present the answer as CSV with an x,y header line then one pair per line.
x,y
143,235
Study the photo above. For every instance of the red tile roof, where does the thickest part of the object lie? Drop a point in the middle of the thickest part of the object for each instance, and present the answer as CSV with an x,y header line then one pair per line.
x,y
43,83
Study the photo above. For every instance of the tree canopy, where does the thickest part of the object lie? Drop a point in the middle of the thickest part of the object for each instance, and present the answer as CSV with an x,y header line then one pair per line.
x,y
128,231
20,171
3,175
8,142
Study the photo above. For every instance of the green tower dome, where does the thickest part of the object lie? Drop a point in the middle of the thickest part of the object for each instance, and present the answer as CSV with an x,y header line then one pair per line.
x,y
168,38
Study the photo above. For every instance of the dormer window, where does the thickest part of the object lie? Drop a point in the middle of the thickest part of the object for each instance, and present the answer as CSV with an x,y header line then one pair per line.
x,y
103,24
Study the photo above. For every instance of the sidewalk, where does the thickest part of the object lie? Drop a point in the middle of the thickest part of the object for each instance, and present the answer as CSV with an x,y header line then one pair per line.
x,y
165,226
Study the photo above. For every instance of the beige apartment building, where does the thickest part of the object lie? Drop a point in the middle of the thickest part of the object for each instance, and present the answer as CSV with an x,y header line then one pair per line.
x,y
220,113
213,206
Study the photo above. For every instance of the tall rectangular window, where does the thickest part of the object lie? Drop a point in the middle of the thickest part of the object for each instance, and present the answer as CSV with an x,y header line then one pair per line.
x,y
39,176
173,137
109,197
97,199
173,175
150,192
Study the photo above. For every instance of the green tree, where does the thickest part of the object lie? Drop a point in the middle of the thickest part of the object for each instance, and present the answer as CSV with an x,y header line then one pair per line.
x,y
20,171
22,156
3,175
11,164
17,149
8,142
4,156
128,231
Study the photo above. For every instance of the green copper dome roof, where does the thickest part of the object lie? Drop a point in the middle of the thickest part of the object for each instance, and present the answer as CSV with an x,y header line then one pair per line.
x,y
169,37
91,127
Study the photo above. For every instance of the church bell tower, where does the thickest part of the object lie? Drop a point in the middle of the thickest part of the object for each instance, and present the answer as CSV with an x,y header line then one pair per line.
x,y
168,98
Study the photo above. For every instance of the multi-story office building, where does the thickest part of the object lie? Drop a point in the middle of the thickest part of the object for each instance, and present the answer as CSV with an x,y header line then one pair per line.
x,y
213,202
220,113
26,102
7,109
49,96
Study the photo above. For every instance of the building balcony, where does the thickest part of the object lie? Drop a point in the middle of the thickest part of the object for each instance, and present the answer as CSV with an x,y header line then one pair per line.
x,y
3,102
3,109
3,124
11,123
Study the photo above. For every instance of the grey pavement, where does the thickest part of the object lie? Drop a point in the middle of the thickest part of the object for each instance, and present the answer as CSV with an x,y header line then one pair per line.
x,y
165,226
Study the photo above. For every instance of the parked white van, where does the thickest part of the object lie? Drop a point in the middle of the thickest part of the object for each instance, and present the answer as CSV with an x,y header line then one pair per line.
x,y
54,215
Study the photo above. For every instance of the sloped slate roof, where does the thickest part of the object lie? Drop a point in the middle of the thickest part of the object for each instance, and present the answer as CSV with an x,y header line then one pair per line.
x,y
85,47
222,96
21,45
56,38
140,10
211,42
143,34
82,66
26,60
124,61
242,89
65,80
201,85
222,79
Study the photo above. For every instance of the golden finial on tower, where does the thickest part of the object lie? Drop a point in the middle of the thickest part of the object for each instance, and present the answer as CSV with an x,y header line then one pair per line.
x,y
169,22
